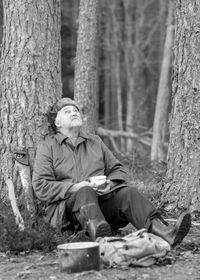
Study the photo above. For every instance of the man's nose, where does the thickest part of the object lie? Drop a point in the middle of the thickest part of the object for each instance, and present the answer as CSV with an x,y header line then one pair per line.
x,y
74,113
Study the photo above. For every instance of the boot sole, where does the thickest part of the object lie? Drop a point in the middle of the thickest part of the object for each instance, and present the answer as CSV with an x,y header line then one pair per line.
x,y
103,229
183,229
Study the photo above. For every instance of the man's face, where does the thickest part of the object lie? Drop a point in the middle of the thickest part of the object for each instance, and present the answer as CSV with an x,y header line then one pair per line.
x,y
68,117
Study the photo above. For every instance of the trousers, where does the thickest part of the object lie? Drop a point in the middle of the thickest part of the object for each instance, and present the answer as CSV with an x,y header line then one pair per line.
x,y
125,205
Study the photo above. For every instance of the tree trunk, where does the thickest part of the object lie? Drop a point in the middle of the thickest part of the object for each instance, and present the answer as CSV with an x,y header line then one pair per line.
x,y
86,64
1,23
158,151
116,36
182,189
30,78
129,10
107,77
69,26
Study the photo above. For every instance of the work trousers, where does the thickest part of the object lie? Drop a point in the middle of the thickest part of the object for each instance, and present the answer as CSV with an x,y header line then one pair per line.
x,y
123,206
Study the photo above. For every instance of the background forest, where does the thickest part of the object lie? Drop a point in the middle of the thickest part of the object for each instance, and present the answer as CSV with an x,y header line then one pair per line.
x,y
130,50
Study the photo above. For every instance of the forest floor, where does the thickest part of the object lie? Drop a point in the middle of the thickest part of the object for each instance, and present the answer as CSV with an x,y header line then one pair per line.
x,y
182,263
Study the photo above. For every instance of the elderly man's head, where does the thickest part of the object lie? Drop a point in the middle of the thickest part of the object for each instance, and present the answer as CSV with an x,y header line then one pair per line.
x,y
67,114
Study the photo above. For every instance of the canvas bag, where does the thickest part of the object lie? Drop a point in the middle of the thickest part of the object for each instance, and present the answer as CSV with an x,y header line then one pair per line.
x,y
139,248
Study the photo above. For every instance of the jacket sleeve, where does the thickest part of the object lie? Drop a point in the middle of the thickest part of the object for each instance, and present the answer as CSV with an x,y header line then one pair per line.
x,y
45,185
113,168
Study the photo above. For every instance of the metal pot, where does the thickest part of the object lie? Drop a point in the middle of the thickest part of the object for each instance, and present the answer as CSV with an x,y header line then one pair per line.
x,y
79,256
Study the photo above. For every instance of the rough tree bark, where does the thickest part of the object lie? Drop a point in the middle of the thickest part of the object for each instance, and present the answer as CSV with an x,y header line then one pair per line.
x,y
182,190
158,152
1,22
86,64
30,82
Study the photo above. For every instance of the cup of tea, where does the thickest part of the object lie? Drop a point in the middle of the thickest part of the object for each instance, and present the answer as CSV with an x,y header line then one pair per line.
x,y
99,181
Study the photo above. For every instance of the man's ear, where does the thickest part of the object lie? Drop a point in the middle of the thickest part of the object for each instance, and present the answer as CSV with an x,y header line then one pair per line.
x,y
57,123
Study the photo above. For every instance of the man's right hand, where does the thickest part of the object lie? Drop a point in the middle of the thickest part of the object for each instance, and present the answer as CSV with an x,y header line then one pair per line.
x,y
80,185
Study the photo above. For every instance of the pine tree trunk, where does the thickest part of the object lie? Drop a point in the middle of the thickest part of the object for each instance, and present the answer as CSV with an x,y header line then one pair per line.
x,y
30,79
182,188
86,64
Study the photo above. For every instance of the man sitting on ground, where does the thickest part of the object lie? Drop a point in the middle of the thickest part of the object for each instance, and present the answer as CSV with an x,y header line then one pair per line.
x,y
63,165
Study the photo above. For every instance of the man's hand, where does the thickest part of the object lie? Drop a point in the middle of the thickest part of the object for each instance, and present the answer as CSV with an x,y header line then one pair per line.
x,y
80,185
106,189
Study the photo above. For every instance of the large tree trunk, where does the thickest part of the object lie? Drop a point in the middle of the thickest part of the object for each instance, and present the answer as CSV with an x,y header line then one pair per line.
x,y
30,79
1,23
182,189
158,151
86,64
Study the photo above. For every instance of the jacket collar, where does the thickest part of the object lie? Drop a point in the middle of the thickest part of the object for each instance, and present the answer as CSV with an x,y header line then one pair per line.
x,y
61,137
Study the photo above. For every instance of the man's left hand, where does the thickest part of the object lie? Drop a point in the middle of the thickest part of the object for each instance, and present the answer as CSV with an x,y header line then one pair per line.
x,y
108,187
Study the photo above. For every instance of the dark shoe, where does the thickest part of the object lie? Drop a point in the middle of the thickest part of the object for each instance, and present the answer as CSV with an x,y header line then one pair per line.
x,y
97,228
172,234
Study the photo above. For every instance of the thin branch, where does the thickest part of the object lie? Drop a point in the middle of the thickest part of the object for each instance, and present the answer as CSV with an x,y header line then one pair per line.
x,y
116,133
11,193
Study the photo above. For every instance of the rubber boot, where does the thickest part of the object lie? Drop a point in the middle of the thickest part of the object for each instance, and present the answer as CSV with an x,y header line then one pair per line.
x,y
172,234
93,221
98,228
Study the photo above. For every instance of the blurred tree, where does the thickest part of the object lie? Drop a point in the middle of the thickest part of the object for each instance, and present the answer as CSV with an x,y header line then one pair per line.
x,y
182,189
69,25
158,149
30,79
115,16
86,63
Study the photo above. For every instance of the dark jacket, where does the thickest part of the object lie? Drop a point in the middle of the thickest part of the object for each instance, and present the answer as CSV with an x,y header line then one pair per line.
x,y
58,165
